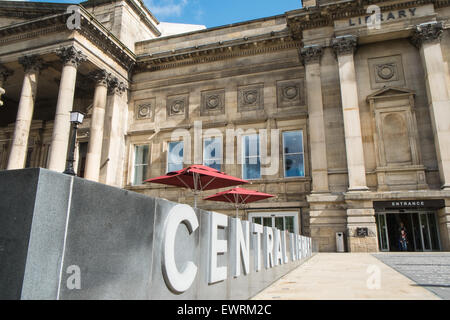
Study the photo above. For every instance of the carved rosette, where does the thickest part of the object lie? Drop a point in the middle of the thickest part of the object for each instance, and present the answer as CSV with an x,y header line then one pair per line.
x,y
344,45
71,56
427,32
31,63
311,54
101,77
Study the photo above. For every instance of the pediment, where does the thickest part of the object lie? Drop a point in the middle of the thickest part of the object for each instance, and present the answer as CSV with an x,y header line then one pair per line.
x,y
388,92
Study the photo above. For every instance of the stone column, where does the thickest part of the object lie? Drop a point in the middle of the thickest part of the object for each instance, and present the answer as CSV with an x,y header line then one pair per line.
x,y
112,134
4,74
344,48
311,56
427,38
61,130
93,157
32,65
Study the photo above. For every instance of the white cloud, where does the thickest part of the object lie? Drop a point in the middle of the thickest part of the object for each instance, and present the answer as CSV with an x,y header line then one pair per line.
x,y
167,8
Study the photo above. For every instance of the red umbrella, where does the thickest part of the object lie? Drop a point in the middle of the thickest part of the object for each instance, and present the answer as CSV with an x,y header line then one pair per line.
x,y
239,196
198,178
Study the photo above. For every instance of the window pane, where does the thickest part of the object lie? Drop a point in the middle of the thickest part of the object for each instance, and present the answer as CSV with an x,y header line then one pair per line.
x,y
279,223
251,168
289,221
212,153
175,156
257,220
267,222
252,171
140,164
251,145
293,142
293,165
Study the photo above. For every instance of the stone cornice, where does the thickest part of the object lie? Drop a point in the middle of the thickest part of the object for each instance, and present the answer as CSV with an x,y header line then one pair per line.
x,y
427,32
326,14
216,51
311,54
90,28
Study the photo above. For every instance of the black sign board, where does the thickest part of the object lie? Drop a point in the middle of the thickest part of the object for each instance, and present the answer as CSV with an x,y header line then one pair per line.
x,y
409,204
362,232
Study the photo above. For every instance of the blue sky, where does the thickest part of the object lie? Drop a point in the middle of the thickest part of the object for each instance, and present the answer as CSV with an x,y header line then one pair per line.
x,y
214,13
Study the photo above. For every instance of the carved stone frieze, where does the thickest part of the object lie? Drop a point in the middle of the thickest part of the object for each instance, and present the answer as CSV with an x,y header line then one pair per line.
x,y
213,102
177,106
251,97
145,109
290,93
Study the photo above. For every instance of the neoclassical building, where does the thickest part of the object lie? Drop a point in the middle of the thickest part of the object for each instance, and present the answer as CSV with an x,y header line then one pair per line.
x,y
340,108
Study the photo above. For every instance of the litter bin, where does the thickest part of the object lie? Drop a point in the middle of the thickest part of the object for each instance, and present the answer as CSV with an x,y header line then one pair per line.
x,y
340,242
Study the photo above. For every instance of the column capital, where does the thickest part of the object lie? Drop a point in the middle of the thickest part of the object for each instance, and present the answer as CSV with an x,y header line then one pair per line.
x,y
115,86
32,63
427,32
311,54
344,45
4,73
101,77
71,56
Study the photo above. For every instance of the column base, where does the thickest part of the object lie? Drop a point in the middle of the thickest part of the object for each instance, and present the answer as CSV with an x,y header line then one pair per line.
x,y
358,189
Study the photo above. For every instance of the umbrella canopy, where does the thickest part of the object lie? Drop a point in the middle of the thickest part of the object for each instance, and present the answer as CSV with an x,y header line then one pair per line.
x,y
239,196
198,178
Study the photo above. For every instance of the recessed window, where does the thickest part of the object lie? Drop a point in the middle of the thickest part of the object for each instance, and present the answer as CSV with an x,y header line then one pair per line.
x,y
175,152
293,155
140,164
212,153
251,164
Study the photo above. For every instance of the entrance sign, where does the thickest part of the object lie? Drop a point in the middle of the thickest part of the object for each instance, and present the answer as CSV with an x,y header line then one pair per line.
x,y
409,204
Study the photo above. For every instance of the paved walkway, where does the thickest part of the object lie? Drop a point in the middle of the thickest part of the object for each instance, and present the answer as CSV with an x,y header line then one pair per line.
x,y
428,270
336,276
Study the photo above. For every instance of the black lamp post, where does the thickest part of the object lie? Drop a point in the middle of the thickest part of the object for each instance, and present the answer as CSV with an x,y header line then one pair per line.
x,y
76,118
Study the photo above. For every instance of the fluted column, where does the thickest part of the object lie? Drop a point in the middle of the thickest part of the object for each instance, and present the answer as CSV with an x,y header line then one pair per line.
x,y
4,74
61,130
311,56
93,157
32,65
112,134
427,38
344,48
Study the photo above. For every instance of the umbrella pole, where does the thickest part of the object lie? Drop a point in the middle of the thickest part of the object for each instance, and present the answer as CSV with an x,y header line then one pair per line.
x,y
195,200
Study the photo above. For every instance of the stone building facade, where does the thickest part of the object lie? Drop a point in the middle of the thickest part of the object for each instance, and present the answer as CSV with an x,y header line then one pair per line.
x,y
352,97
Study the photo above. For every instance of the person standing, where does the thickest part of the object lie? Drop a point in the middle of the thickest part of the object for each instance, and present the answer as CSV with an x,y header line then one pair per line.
x,y
403,238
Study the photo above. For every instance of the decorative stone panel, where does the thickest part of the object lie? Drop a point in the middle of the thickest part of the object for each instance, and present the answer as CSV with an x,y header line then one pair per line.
x,y
178,106
213,102
145,109
251,98
291,93
386,71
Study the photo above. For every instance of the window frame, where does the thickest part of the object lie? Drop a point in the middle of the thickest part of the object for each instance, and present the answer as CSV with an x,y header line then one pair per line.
x,y
168,154
243,156
134,165
221,151
301,153
277,214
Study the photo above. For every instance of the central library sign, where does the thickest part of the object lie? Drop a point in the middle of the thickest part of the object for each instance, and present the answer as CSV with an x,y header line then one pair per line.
x,y
124,245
